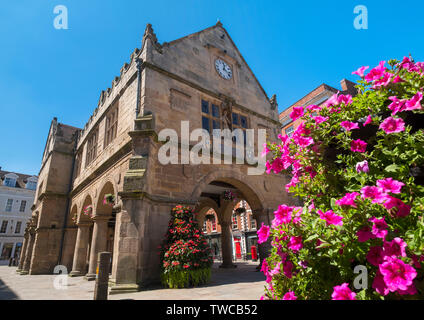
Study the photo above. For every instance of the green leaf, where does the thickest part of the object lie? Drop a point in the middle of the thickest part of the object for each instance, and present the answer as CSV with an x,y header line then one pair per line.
x,y
392,168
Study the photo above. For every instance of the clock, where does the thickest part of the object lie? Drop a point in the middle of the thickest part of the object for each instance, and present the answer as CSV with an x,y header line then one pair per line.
x,y
223,69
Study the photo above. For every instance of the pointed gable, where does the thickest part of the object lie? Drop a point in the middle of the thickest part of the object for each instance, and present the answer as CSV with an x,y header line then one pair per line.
x,y
192,58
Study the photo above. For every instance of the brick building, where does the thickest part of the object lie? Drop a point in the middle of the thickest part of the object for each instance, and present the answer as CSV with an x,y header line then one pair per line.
x,y
317,96
243,231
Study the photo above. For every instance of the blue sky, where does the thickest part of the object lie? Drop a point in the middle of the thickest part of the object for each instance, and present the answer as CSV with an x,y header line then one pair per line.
x,y
291,46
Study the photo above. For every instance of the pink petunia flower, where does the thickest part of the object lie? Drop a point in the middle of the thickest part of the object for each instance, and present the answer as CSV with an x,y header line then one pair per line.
x,y
390,185
364,234
343,292
289,296
288,268
396,105
403,209
368,120
348,200
320,119
395,248
375,255
276,270
283,215
415,102
376,194
379,228
392,125
376,73
296,113
263,233
265,150
330,218
347,125
397,275
358,146
295,243
362,167
360,71
379,285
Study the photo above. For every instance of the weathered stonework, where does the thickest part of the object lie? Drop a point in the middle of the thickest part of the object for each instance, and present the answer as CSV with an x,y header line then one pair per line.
x,y
162,85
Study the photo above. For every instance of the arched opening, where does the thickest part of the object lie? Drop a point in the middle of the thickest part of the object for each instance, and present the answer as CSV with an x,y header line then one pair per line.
x,y
105,209
225,212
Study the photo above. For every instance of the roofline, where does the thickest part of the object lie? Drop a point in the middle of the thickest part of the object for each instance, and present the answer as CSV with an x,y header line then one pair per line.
x,y
326,86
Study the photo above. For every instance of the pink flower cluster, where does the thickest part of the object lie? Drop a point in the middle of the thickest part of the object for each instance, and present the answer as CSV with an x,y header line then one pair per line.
x,y
380,194
405,105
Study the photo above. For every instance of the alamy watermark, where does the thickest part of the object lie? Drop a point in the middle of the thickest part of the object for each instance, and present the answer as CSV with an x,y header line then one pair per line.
x,y
361,20
60,282
237,143
60,21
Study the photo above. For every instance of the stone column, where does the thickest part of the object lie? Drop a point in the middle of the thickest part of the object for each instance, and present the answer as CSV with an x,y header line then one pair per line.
x,y
227,246
125,253
28,253
98,244
23,252
81,247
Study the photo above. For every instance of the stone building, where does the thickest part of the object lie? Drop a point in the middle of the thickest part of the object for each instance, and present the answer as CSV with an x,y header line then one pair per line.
x,y
201,78
17,192
317,96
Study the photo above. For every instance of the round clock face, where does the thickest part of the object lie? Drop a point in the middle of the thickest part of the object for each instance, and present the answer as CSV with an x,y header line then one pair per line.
x,y
223,69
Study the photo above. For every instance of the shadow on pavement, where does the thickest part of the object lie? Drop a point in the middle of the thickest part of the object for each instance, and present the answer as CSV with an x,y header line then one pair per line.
x,y
244,272
6,293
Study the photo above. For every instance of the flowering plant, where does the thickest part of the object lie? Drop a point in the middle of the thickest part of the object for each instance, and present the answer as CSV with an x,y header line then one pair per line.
x,y
88,210
357,163
228,195
109,199
186,257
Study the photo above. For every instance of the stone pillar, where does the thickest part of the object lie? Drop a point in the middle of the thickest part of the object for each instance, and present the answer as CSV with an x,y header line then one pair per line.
x,y
23,252
28,253
98,244
80,253
125,252
227,246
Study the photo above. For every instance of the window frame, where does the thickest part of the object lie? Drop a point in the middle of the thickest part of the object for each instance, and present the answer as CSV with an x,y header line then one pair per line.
x,y
20,207
10,206
18,223
4,225
91,152
111,126
210,115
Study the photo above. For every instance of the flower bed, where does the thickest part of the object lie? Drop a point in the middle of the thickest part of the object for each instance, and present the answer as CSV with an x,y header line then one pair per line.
x,y
356,164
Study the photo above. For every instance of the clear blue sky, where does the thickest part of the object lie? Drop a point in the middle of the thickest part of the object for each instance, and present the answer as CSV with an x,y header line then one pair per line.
x,y
291,46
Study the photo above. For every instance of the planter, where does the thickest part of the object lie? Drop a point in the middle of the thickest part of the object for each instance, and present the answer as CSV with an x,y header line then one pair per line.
x,y
186,278
109,199
228,195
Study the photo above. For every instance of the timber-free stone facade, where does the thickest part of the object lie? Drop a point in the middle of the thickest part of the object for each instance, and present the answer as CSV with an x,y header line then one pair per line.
x,y
161,86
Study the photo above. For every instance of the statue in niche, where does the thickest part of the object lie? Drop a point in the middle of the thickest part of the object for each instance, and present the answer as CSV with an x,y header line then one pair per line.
x,y
226,114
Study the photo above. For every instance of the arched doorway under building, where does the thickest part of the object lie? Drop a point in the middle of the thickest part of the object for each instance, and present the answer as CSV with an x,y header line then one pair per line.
x,y
226,213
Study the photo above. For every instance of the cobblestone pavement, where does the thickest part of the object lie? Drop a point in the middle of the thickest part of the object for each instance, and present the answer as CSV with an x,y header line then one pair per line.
x,y
241,283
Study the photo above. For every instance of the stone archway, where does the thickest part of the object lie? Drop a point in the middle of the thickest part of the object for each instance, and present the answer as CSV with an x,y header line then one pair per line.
x,y
103,227
82,243
210,194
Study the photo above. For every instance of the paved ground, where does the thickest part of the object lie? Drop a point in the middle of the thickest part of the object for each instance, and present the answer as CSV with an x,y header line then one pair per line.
x,y
242,283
